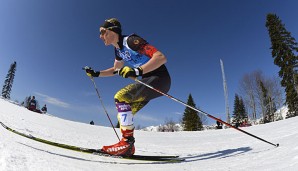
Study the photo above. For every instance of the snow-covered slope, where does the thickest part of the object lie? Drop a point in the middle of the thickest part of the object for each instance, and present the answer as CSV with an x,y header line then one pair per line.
x,y
207,150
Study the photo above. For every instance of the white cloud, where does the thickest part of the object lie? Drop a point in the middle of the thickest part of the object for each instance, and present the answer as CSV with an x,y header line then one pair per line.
x,y
53,101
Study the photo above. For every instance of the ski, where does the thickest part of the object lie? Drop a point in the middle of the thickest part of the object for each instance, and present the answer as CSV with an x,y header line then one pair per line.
x,y
142,157
161,158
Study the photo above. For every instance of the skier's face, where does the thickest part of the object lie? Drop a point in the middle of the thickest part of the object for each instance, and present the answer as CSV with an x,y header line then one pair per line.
x,y
107,36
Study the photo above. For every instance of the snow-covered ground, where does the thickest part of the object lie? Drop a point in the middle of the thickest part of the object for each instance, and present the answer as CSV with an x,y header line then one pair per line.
x,y
207,150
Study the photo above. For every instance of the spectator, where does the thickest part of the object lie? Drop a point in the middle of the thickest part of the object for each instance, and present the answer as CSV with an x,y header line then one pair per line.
x,y
32,104
219,125
91,123
44,109
237,124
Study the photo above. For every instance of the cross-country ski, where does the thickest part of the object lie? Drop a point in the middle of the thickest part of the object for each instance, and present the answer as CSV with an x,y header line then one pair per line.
x,y
99,152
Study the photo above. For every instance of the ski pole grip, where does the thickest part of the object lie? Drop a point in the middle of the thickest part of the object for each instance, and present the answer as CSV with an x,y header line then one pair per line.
x,y
86,67
133,78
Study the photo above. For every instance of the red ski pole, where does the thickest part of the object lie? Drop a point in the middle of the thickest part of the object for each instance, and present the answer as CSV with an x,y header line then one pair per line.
x,y
198,110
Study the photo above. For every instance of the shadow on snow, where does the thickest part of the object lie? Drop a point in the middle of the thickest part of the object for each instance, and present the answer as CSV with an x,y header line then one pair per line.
x,y
218,154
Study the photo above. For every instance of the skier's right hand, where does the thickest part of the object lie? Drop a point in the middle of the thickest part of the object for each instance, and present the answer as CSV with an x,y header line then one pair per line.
x,y
90,72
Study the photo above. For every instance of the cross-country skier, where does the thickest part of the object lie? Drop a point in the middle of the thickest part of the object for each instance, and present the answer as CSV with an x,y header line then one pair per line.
x,y
144,60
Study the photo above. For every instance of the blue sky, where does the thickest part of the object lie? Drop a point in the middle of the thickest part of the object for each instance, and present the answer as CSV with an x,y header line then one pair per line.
x,y
52,40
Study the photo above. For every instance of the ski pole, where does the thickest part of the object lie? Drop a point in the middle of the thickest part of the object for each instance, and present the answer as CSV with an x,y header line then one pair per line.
x,y
198,110
96,89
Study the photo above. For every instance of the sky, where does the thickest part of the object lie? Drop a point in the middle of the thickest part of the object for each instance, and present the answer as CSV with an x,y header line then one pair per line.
x,y
52,40
209,150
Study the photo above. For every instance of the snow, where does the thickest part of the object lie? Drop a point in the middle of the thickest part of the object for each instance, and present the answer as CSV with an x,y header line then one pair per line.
x,y
217,150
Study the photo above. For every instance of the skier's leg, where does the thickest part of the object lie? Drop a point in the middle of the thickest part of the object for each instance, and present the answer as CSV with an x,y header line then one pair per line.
x,y
129,100
123,100
126,146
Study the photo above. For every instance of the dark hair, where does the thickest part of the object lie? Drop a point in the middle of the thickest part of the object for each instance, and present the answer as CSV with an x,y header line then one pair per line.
x,y
112,24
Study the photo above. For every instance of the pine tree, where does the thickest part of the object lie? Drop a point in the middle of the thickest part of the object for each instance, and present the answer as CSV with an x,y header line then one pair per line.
x,y
296,77
9,81
191,120
242,109
284,47
239,114
236,113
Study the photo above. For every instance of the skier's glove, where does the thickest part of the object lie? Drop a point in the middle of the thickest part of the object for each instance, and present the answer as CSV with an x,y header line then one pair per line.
x,y
90,72
130,72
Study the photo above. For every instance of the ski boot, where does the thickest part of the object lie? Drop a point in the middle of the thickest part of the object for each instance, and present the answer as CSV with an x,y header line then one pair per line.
x,y
125,147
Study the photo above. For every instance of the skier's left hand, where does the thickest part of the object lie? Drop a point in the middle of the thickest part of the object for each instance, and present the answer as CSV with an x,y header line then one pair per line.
x,y
90,72
130,72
